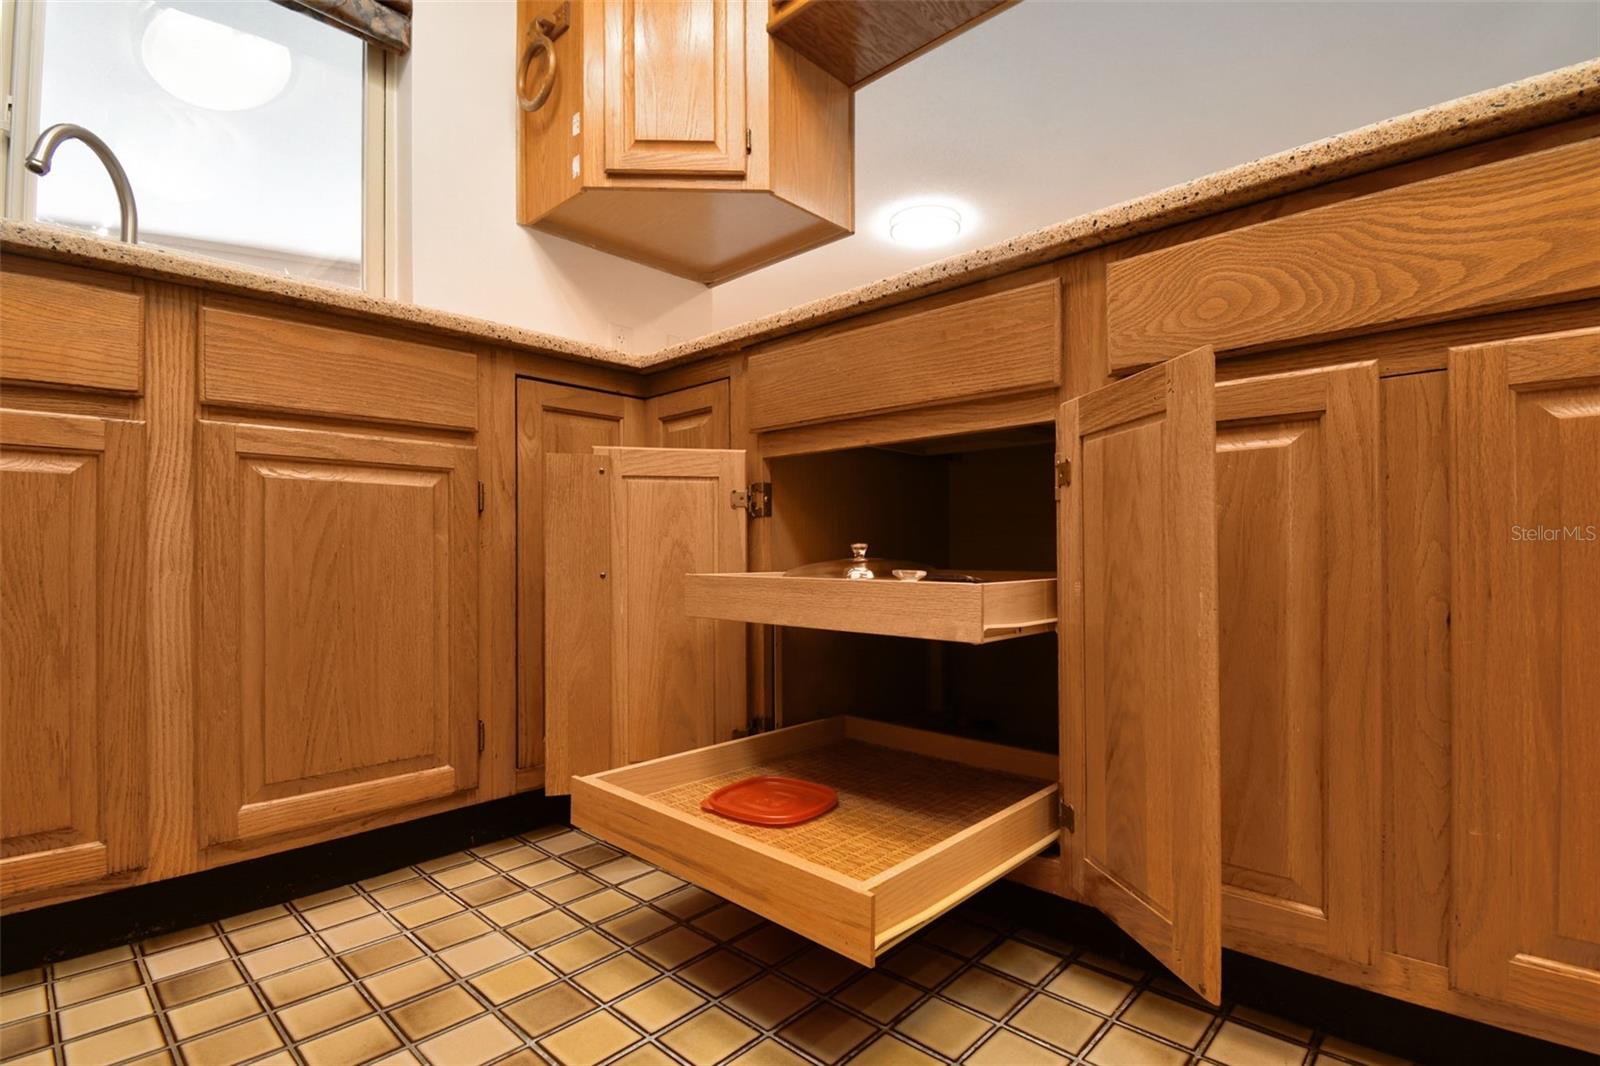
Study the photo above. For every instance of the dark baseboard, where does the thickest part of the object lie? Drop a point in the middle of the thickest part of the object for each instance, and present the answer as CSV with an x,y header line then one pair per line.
x,y
1381,1022
67,930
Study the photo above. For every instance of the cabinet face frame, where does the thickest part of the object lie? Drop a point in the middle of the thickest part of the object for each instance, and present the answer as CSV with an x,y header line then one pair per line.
x,y
1525,452
1301,646
245,794
677,105
89,477
1139,730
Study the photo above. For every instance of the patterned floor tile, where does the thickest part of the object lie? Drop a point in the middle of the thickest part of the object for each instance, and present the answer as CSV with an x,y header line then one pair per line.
x,y
552,947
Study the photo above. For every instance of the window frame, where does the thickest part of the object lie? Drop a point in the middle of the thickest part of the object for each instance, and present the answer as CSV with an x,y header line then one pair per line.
x,y
21,46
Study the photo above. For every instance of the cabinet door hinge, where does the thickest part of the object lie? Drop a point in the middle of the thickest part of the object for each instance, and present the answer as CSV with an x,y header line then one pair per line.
x,y
756,501
480,736
1069,817
762,724
482,494
1063,471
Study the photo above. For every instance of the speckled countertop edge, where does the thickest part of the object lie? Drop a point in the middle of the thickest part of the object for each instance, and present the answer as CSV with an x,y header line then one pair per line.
x,y
1540,100
1537,101
74,246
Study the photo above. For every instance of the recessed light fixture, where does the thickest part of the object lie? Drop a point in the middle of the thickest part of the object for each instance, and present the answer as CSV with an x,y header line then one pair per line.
x,y
213,66
925,225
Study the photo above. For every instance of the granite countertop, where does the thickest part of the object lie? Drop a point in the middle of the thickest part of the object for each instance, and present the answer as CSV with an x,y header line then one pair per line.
x,y
1537,101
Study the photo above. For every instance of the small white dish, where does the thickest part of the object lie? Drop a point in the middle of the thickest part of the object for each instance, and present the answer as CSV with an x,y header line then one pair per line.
x,y
910,575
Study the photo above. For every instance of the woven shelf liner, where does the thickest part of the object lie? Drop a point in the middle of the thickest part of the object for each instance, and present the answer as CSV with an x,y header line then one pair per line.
x,y
892,804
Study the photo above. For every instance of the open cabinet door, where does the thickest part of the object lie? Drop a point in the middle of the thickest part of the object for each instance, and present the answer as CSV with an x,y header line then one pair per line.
x,y
1139,727
628,674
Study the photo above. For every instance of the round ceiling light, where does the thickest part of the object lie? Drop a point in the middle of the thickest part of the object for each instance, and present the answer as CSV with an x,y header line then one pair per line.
x,y
213,66
925,225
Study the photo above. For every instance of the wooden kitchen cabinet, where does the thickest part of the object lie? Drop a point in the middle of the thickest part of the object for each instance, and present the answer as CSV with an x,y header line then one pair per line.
x,y
675,87
678,134
924,821
73,792
1511,233
1140,720
1300,581
935,352
65,326
337,658
628,674
696,417
1525,595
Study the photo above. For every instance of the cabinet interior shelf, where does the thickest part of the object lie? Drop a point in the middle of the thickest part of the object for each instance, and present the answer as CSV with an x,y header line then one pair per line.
x,y
1005,605
923,822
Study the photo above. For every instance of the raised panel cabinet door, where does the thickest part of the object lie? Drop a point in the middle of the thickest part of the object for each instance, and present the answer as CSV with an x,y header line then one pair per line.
x,y
1525,633
338,627
1139,727
695,417
72,650
552,420
678,682
1299,589
674,84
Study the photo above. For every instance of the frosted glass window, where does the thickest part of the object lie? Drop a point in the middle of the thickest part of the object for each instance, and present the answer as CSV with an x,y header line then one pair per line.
x,y
239,123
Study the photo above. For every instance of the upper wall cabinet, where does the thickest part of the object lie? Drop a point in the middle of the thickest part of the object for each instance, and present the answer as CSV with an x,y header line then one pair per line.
x,y
675,87
859,40
678,134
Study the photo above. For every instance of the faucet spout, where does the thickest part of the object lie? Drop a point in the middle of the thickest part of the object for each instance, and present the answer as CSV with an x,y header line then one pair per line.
x,y
44,149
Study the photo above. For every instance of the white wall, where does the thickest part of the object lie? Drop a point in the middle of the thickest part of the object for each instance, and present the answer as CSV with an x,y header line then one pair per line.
x,y
461,248
1047,110
1052,109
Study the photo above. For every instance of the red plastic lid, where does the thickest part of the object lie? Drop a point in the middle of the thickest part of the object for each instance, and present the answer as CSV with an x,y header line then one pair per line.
x,y
771,801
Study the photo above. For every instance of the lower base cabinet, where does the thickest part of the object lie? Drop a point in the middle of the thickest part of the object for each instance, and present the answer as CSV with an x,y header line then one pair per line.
x,y
338,636
72,678
1300,594
923,822
1525,595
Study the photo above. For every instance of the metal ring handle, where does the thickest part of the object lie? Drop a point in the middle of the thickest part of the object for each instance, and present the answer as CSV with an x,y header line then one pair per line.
x,y
538,43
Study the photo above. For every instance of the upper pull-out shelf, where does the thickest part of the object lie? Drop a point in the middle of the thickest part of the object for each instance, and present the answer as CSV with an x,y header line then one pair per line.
x,y
1003,605
923,822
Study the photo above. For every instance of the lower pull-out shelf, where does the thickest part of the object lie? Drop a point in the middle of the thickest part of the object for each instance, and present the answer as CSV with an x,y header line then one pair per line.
x,y
923,822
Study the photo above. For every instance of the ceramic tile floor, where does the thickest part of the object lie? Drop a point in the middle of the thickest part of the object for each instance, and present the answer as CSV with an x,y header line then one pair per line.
x,y
553,947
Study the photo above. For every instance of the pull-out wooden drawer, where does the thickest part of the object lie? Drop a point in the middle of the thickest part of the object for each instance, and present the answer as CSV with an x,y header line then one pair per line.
x,y
1515,233
923,822
1001,342
252,358
74,328
1001,607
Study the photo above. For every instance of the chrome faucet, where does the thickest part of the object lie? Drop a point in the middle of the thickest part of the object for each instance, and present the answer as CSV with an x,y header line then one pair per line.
x,y
44,149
